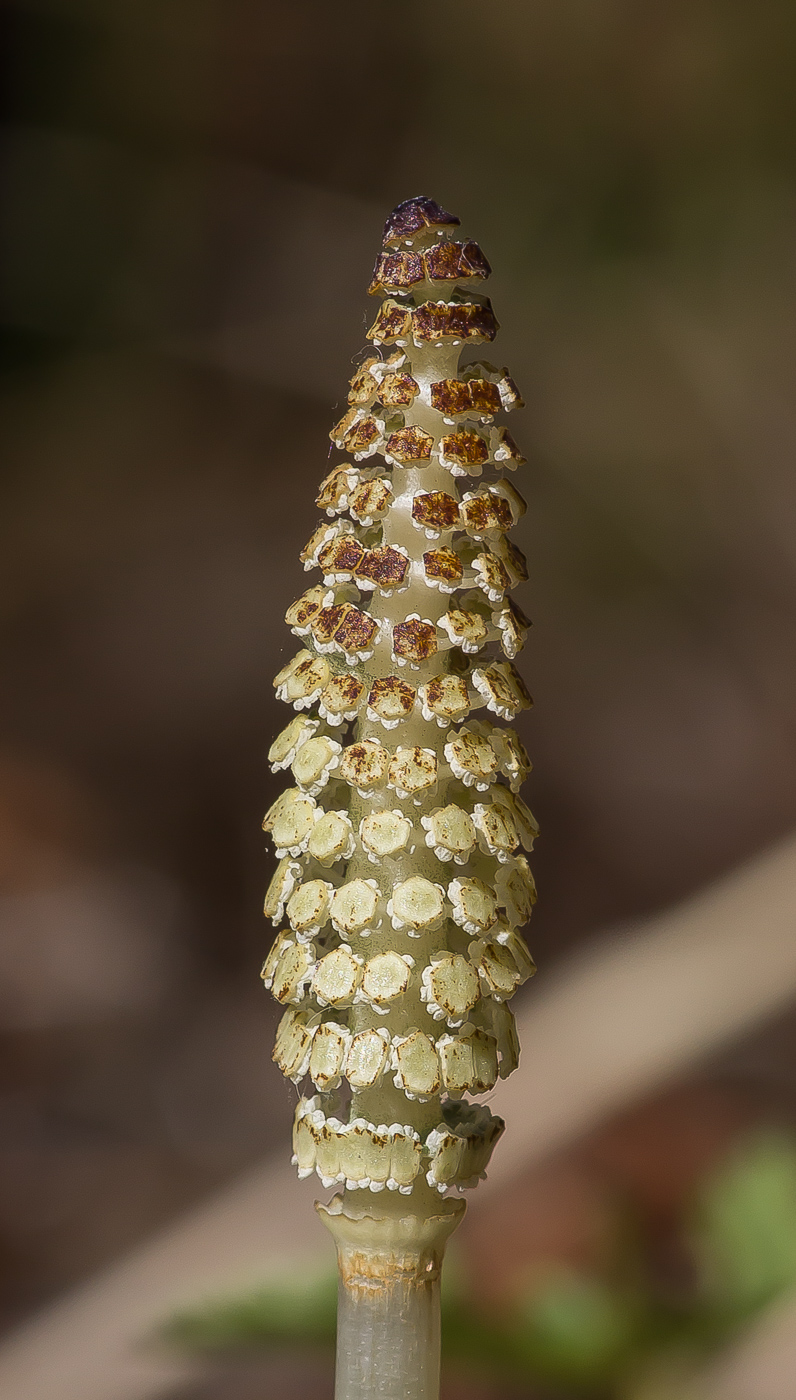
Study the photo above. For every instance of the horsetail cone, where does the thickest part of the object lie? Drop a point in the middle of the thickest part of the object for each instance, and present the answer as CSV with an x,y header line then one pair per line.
x,y
403,880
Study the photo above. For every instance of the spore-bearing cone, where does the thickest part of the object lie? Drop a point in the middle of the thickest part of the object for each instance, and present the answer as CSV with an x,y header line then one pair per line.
x,y
403,879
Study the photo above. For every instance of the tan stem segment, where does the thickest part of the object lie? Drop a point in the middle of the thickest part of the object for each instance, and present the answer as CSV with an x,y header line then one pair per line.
x,y
388,1314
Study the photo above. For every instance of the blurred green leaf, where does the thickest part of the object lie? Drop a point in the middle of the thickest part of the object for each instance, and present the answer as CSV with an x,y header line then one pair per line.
x,y
578,1329
296,1308
745,1236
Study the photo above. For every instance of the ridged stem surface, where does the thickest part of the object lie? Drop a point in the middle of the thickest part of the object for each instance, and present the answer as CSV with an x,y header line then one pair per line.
x,y
388,1314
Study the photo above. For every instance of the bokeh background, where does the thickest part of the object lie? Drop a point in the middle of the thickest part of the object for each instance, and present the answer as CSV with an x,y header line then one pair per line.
x,y
194,195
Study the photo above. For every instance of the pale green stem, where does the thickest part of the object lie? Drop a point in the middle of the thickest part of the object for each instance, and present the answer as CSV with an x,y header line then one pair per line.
x,y
388,1314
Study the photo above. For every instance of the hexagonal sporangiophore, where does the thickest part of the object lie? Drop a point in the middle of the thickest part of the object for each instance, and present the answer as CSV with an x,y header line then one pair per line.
x,y
308,907
445,699
435,513
409,447
314,761
339,558
413,641
354,907
364,765
497,969
523,817
293,969
443,569
412,771
364,1155
284,881
290,821
370,501
321,536
490,575
392,326
497,830
281,943
302,680
341,699
505,449
486,514
414,216
367,1057
450,832
357,634
449,988
472,758
416,1065
293,1044
390,701
386,977
336,977
330,1047
440,321
469,1061
399,272
451,261
416,904
300,615
397,390
465,628
502,689
457,397
337,488
513,561
464,453
512,625
286,745
460,1148
385,833
384,569
331,838
504,1029
474,904
364,385
510,397
515,890
513,756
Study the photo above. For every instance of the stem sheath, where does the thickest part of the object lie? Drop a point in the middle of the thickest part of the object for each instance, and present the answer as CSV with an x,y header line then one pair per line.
x,y
388,1316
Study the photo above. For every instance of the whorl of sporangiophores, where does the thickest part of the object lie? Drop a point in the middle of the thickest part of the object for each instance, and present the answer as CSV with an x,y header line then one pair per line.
x,y
402,881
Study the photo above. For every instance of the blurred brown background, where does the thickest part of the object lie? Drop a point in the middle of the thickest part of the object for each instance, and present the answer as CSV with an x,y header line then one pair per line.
x,y
194,195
